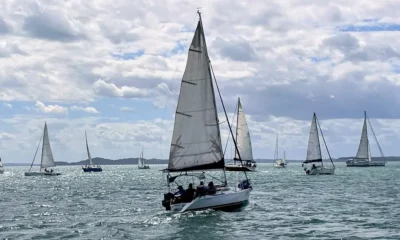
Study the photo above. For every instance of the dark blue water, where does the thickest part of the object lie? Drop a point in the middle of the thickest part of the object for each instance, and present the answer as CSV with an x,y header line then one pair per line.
x,y
123,202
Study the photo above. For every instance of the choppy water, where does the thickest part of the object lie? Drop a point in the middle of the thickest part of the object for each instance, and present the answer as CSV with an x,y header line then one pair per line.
x,y
125,203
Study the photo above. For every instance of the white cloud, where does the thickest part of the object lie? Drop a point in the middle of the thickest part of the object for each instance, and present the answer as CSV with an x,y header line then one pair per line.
x,y
8,105
127,109
41,107
84,109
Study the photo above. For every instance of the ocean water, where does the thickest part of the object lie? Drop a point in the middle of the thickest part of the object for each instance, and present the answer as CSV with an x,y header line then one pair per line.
x,y
123,202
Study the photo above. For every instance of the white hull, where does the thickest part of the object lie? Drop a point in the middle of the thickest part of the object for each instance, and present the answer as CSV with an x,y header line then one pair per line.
x,y
322,171
41,174
277,165
239,168
220,200
365,164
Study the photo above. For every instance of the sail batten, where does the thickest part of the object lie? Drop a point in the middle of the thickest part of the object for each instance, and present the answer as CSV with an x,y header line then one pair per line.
x,y
314,147
363,148
47,159
196,141
243,139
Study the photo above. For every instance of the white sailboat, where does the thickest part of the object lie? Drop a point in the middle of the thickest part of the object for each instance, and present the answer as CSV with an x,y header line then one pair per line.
x,y
1,167
47,160
91,167
141,164
363,157
314,156
243,142
279,162
196,141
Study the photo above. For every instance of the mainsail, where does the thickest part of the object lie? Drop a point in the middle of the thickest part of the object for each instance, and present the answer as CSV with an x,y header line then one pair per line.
x,y
314,147
47,155
284,157
196,141
140,160
88,152
363,148
243,140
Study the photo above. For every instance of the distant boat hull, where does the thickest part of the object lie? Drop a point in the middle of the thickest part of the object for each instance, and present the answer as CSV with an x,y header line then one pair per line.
x,y
239,168
280,165
224,200
144,167
321,171
353,163
1,170
30,174
92,169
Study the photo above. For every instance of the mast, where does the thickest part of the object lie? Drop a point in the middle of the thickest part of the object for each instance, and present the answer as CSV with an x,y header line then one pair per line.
x,y
88,152
326,146
220,96
33,160
237,125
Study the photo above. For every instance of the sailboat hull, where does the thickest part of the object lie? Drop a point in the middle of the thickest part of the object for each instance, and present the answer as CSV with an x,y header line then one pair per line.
x,y
225,201
365,164
1,170
321,171
239,168
92,169
30,174
144,167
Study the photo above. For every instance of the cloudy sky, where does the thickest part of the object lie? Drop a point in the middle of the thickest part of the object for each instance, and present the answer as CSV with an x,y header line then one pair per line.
x,y
113,68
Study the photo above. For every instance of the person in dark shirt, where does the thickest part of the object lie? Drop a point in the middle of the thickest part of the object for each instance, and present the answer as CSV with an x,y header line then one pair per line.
x,y
211,188
190,193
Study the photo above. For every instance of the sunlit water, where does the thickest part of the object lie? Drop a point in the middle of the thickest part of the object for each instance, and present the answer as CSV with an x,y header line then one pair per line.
x,y
123,202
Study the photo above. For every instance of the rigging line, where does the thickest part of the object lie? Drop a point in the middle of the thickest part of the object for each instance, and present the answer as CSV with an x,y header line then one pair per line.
x,y
323,138
233,118
36,152
376,139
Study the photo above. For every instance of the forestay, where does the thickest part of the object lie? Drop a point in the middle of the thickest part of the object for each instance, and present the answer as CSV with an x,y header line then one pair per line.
x,y
47,155
363,148
88,152
314,147
243,140
196,140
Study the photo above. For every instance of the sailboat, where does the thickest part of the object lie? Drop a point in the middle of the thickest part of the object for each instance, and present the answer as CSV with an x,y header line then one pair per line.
x,y
196,140
279,162
1,167
91,167
363,157
47,159
314,156
141,164
243,142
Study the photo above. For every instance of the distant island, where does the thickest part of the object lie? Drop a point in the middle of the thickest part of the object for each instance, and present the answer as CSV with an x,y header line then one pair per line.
x,y
134,161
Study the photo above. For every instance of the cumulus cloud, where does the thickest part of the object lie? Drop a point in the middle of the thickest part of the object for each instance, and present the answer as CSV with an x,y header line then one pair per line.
x,y
8,105
127,109
84,109
41,107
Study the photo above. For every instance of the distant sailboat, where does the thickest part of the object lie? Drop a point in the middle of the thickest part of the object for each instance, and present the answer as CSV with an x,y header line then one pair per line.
x,y
279,163
314,155
47,160
363,157
243,142
141,164
1,167
196,140
91,167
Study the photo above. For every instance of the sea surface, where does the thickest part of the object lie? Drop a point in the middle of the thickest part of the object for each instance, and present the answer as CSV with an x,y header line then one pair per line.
x,y
123,202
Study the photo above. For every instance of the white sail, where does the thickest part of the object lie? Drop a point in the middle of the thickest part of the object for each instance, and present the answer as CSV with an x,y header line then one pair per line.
x,y
363,152
284,157
88,152
314,147
140,160
243,140
47,155
196,141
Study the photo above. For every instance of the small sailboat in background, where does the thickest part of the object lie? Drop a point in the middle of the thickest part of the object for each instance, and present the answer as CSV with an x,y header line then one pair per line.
x,y
243,142
314,155
1,167
47,159
279,163
363,157
196,146
141,164
91,167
